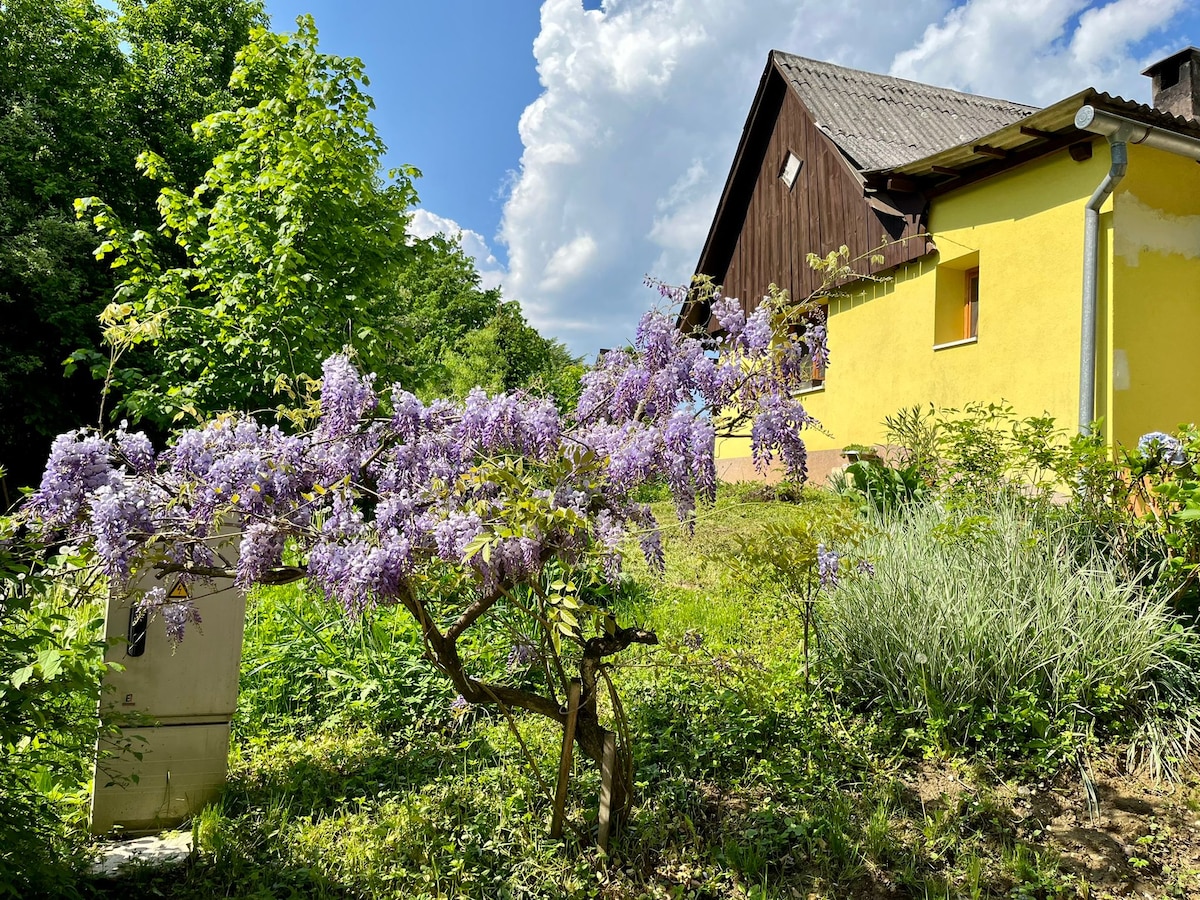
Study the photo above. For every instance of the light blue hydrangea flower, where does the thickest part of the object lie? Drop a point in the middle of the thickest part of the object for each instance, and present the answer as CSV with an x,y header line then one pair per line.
x,y
1157,446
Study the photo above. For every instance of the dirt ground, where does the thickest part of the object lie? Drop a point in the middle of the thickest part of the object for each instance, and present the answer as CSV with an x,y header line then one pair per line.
x,y
1127,836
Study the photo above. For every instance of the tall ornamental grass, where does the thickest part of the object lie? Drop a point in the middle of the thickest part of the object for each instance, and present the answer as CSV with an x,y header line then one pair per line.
x,y
995,631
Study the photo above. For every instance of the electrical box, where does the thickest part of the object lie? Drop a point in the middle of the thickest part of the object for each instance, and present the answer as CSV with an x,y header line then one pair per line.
x,y
164,744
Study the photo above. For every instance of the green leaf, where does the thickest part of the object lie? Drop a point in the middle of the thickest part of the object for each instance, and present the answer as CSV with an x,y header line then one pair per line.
x,y
22,675
50,663
480,543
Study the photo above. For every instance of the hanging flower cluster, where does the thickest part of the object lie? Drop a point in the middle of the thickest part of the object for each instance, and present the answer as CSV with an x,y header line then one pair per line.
x,y
382,491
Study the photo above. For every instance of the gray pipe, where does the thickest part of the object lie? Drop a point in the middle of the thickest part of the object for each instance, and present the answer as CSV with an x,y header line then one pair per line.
x,y
1119,154
1119,128
1119,131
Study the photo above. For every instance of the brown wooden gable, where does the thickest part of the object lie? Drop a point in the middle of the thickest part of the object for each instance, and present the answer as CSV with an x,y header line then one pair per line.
x,y
763,231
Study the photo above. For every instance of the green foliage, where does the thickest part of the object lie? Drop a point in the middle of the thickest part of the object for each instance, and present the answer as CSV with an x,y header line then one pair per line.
x,y
748,785
466,336
915,431
56,61
74,113
51,660
289,242
507,354
736,774
986,450
763,492
988,631
262,240
980,454
884,488
1166,488
440,301
306,667
791,553
181,54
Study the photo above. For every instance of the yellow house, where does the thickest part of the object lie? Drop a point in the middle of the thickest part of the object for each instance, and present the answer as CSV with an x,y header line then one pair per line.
x,y
1048,257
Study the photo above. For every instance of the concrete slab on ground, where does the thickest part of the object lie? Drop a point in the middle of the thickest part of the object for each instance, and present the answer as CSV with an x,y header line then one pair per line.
x,y
171,848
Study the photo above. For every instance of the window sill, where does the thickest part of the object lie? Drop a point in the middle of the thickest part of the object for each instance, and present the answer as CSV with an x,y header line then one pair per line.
x,y
811,389
949,344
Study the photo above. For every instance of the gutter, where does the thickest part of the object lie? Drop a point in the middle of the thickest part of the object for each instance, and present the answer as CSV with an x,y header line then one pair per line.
x,y
1120,132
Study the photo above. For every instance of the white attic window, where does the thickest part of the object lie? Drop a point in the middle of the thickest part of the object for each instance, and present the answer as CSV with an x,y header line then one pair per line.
x,y
790,169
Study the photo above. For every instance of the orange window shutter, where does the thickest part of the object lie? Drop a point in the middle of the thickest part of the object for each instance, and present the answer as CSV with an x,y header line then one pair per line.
x,y
971,305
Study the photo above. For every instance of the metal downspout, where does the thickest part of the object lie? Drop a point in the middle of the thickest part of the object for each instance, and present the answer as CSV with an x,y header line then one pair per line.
x,y
1119,154
1119,131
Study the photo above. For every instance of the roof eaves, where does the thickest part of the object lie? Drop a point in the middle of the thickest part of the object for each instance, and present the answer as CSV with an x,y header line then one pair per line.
x,y
1043,131
752,123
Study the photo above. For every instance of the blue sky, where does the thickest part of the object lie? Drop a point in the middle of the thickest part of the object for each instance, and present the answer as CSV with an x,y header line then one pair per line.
x,y
450,80
578,146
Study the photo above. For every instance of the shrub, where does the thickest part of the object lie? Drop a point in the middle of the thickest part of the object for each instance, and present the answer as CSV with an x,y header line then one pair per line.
x,y
763,492
986,631
883,488
51,662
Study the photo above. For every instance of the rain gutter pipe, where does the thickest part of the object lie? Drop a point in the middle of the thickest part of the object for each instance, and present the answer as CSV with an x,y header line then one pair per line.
x,y
1120,132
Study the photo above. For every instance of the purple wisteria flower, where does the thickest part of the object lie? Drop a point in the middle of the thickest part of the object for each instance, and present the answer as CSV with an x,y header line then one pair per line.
x,y
827,566
758,332
135,448
481,493
261,550
346,396
523,653
729,315
816,338
777,430
120,520
80,464
176,614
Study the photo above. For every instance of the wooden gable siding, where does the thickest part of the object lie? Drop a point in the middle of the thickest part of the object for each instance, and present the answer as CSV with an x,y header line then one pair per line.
x,y
764,236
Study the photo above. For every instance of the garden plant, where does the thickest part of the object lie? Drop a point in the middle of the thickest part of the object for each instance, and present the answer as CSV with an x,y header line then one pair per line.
x,y
494,507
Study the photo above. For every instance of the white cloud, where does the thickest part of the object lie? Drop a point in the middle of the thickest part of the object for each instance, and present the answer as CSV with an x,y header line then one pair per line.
x,y
426,224
1040,51
568,263
627,148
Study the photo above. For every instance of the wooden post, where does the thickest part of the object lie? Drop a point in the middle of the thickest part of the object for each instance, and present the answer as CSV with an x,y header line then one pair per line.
x,y
564,764
607,772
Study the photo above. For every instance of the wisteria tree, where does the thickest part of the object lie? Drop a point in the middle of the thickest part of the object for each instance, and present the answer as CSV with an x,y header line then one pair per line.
x,y
495,509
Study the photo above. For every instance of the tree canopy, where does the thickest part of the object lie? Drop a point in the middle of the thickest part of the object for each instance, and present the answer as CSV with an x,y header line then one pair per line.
x,y
83,90
466,336
289,243
245,231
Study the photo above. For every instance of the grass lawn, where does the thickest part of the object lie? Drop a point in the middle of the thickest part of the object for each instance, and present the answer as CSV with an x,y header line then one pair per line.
x,y
351,777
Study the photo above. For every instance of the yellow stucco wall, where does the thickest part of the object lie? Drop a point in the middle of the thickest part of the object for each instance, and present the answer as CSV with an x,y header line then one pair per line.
x,y
1156,285
1024,231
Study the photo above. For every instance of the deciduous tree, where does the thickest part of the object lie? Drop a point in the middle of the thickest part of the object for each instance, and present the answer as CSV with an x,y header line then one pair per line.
x,y
83,90
282,254
495,509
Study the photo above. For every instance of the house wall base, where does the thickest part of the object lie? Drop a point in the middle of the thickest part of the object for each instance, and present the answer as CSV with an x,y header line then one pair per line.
x,y
821,464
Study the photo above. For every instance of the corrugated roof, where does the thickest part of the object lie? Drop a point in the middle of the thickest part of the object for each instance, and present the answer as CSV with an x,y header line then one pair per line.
x,y
1026,135
881,122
